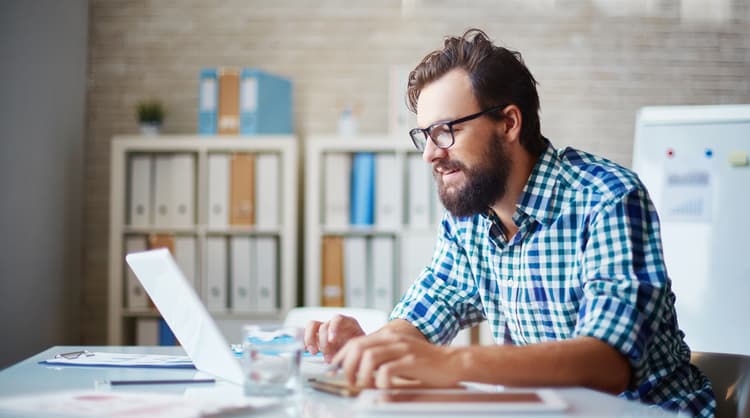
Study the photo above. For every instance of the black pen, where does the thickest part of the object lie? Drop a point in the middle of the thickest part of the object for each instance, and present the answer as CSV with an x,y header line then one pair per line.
x,y
160,381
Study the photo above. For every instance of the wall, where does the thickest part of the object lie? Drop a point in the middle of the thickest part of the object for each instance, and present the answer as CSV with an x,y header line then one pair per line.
x,y
597,62
43,47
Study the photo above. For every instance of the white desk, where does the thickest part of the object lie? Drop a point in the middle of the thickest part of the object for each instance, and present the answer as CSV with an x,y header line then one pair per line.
x,y
30,377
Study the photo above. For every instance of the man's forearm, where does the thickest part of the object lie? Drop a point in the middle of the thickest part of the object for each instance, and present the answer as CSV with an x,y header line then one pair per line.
x,y
581,361
401,326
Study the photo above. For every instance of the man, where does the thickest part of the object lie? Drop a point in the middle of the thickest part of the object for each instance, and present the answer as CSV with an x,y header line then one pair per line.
x,y
558,249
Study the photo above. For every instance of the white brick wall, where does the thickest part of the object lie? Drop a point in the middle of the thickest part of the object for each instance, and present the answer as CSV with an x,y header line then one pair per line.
x,y
597,62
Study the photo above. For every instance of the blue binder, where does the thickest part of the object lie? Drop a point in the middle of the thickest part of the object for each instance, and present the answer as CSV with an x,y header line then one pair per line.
x,y
265,103
208,101
363,189
166,336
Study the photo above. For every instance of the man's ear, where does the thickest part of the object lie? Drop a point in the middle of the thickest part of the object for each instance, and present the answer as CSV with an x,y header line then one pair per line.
x,y
510,126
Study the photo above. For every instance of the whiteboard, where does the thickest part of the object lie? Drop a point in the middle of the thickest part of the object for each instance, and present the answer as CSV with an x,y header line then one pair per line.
x,y
693,161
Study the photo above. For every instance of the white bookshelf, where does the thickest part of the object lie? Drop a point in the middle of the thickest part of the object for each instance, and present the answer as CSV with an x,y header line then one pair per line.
x,y
121,319
315,229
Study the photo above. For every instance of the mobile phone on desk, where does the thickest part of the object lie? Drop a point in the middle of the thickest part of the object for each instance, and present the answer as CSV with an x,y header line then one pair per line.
x,y
337,387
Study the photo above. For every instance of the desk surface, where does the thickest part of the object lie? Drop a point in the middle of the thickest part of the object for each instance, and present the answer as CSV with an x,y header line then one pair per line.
x,y
30,377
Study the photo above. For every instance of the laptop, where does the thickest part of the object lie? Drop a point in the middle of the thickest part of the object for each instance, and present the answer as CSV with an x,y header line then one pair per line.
x,y
185,314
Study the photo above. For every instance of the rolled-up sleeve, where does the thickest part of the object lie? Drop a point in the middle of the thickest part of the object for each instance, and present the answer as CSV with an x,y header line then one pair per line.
x,y
624,279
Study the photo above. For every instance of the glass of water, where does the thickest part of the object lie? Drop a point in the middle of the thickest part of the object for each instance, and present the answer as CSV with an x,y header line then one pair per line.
x,y
271,359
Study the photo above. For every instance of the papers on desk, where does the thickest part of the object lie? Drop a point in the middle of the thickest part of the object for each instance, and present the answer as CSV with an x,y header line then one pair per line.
x,y
98,359
128,404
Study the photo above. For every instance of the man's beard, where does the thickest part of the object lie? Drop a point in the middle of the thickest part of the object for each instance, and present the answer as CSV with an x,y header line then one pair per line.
x,y
484,185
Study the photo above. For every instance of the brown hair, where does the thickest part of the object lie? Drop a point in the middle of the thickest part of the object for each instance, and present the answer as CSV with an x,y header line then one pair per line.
x,y
498,75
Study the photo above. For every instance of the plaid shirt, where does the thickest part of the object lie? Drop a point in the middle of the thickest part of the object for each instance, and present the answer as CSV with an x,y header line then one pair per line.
x,y
586,261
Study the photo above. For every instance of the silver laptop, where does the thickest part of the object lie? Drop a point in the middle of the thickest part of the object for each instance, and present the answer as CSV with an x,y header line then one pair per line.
x,y
185,314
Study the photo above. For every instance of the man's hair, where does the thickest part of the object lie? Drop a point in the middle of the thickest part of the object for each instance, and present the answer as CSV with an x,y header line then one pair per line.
x,y
498,75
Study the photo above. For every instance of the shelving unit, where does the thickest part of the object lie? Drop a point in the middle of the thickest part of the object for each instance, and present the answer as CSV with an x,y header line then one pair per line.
x,y
121,319
315,225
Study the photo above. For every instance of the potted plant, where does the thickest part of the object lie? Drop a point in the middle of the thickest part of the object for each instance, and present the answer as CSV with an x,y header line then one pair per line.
x,y
150,115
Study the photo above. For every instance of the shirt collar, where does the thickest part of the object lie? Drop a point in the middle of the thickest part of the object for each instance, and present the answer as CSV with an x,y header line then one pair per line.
x,y
535,200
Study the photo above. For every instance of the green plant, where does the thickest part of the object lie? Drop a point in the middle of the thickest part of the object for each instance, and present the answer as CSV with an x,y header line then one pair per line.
x,y
150,111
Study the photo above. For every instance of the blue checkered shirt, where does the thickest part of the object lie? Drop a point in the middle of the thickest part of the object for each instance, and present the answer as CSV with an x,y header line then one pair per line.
x,y
586,261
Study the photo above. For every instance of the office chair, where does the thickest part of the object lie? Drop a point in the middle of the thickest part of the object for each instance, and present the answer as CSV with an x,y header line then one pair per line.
x,y
369,319
730,377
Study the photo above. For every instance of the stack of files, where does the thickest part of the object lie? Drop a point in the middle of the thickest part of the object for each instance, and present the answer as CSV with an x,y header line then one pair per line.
x,y
243,189
358,272
246,101
162,190
253,274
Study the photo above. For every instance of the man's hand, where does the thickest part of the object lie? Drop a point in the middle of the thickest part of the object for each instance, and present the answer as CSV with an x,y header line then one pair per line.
x,y
328,337
377,359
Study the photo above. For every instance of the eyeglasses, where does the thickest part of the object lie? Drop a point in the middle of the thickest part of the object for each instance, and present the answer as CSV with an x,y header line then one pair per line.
x,y
441,133
75,354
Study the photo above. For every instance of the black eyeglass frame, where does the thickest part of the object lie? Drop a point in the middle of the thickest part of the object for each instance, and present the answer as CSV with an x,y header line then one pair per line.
x,y
421,142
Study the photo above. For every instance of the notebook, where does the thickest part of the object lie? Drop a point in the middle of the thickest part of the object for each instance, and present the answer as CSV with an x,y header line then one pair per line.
x,y
185,314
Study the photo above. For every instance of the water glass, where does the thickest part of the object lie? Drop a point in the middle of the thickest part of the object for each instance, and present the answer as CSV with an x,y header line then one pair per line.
x,y
271,359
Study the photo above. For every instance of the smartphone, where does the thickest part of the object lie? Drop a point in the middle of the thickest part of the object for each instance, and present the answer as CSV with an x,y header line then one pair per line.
x,y
335,387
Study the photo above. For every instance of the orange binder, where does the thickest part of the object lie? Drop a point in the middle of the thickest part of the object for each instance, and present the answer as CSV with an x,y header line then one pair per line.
x,y
332,283
229,101
242,200
161,241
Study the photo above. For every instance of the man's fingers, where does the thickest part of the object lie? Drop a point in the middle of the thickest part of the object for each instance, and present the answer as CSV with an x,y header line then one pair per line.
x,y
334,325
386,373
323,337
373,358
311,336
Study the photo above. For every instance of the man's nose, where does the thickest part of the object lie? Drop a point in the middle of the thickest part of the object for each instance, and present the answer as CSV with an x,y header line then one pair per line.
x,y
432,152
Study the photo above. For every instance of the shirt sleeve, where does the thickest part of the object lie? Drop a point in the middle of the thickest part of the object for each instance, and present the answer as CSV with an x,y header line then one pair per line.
x,y
444,298
625,286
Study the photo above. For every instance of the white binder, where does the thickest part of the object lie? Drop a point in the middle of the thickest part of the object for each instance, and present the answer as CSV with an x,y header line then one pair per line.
x,y
419,191
136,297
186,257
383,277
388,190
163,209
416,253
355,272
139,213
147,331
336,194
183,190
267,184
267,273
218,190
242,274
215,290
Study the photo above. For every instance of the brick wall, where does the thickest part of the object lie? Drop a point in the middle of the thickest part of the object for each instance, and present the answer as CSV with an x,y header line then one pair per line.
x,y
597,62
